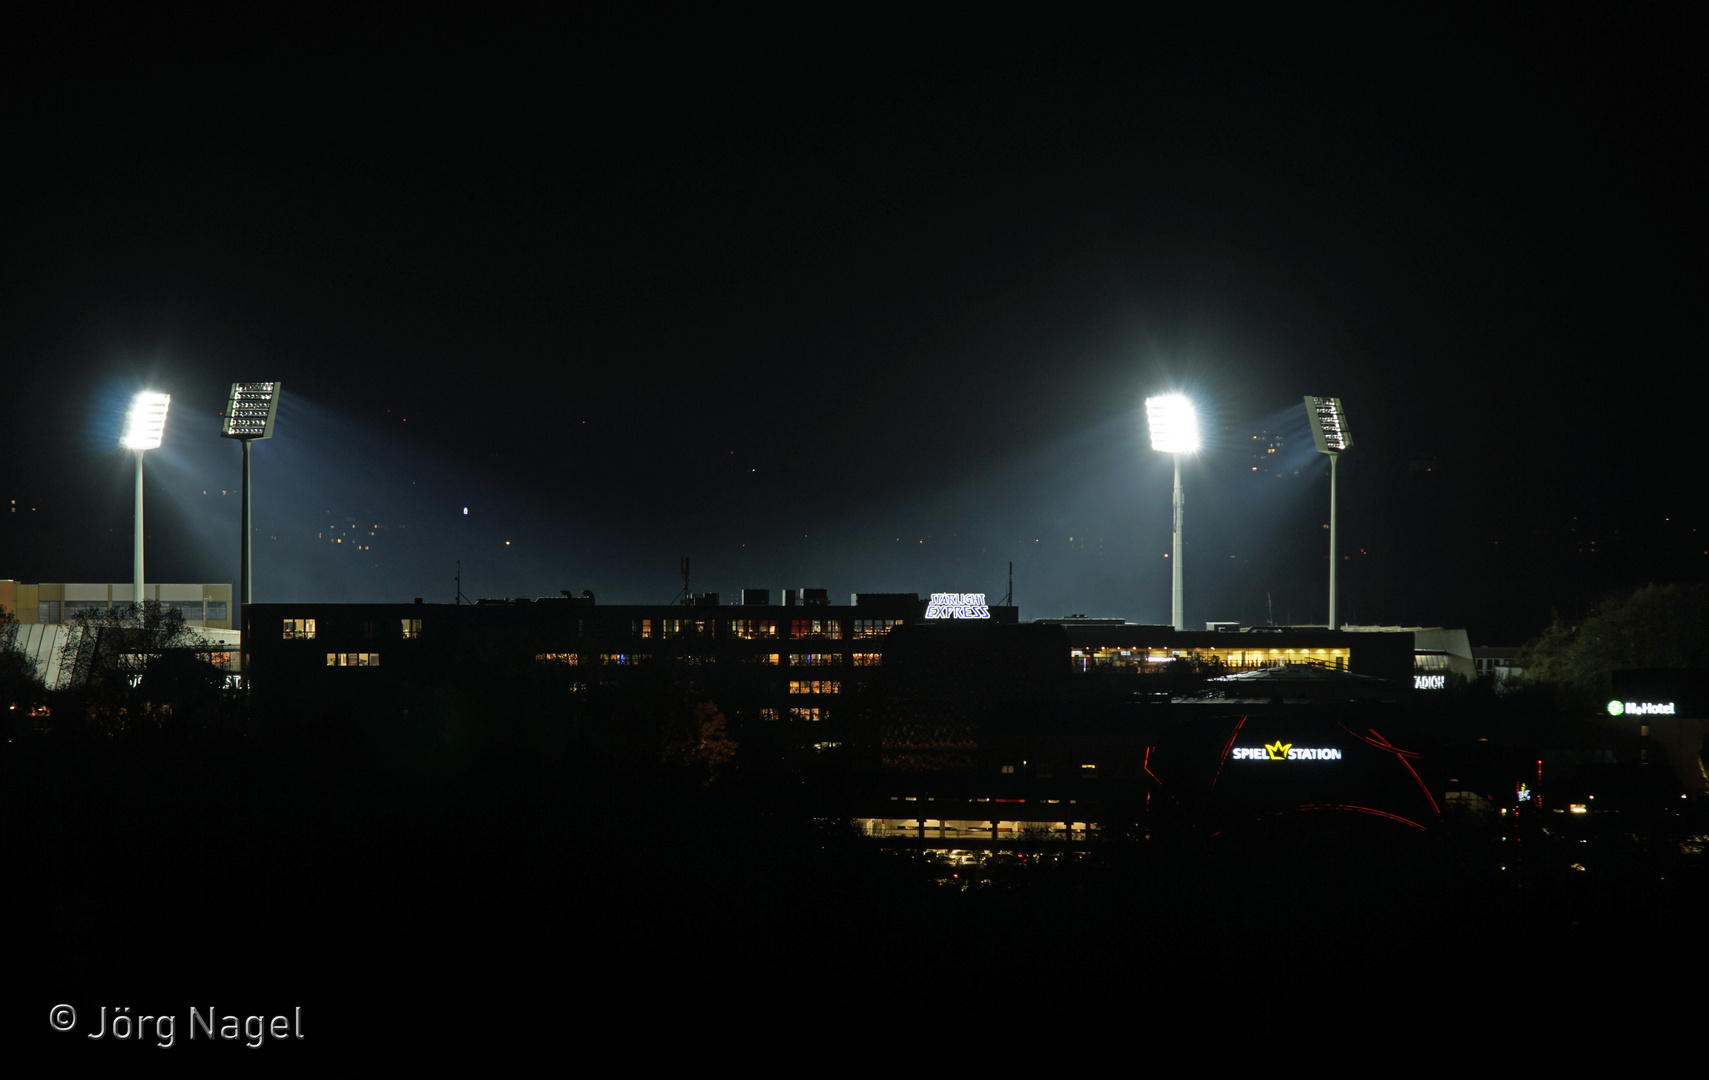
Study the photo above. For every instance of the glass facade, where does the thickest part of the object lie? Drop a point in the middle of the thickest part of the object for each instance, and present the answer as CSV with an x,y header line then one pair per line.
x,y
1242,658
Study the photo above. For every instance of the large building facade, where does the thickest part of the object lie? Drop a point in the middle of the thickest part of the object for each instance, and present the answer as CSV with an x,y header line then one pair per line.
x,y
801,659
202,605
790,658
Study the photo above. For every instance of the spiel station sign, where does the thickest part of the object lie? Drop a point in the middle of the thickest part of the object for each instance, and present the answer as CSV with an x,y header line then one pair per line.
x,y
1281,751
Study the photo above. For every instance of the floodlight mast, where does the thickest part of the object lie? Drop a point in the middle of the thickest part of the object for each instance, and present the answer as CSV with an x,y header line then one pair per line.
x,y
136,552
145,424
249,415
1175,431
1329,432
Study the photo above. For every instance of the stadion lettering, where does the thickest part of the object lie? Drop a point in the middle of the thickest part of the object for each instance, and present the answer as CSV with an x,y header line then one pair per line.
x,y
1430,682
1640,708
1281,751
954,605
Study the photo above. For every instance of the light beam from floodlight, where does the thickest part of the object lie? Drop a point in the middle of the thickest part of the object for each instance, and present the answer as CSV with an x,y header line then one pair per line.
x,y
145,425
249,415
1329,431
1174,431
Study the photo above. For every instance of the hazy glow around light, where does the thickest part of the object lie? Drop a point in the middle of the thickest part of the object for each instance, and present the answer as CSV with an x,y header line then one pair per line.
x,y
1174,424
146,421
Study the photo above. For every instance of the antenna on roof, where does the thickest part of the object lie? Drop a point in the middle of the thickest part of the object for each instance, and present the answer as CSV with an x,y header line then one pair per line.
x,y
683,596
460,596
1009,597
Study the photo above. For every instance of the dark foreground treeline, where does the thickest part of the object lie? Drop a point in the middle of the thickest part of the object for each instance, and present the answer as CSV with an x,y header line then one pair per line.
x,y
414,900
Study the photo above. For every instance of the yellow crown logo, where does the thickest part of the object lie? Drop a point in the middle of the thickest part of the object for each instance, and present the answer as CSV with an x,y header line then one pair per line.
x,y
1279,750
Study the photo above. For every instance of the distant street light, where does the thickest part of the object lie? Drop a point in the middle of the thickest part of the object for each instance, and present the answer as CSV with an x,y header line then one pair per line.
x,y
1329,431
145,424
249,415
1174,431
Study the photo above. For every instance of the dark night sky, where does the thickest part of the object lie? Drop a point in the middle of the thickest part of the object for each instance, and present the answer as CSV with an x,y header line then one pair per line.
x,y
862,304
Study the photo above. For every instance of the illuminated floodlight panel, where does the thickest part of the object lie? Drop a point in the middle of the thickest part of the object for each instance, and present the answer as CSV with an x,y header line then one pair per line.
x,y
146,421
1174,424
1328,424
250,410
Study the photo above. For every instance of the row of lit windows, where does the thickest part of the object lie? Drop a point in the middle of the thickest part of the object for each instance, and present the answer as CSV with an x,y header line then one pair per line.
x,y
1230,655
811,713
761,628
303,629
1233,659
352,659
664,628
814,686
870,628
771,659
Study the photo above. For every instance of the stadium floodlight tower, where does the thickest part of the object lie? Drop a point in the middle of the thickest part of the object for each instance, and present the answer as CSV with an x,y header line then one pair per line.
x,y
1174,431
1329,431
145,424
249,415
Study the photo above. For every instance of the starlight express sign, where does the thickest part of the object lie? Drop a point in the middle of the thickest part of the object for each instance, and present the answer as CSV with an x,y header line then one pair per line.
x,y
1640,708
954,605
1281,751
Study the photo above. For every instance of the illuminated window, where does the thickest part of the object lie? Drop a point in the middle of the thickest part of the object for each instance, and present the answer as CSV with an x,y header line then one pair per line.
x,y
672,628
299,628
813,714
624,659
753,628
813,686
646,628
869,628
816,659
557,658
868,659
800,628
352,659
768,714
411,628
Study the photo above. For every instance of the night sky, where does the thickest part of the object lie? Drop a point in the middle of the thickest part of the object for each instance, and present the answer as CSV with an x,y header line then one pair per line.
x,y
863,302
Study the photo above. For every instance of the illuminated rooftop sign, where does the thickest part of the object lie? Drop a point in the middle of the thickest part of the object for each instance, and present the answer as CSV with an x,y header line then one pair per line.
x,y
1430,682
1281,751
1640,708
250,410
951,605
